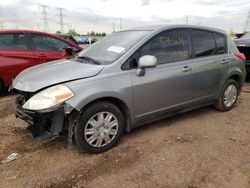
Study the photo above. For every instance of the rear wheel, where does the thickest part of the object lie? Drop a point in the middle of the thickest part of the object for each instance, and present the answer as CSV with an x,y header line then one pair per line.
x,y
228,96
99,127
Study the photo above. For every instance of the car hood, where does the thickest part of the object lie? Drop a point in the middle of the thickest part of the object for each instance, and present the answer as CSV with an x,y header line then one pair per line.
x,y
242,42
55,72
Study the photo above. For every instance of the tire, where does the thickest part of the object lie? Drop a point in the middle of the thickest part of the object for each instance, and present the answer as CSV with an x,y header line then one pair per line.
x,y
99,128
1,86
223,104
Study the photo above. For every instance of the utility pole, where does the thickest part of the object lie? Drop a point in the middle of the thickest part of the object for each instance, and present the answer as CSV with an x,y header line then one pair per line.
x,y
113,25
1,23
187,20
45,17
120,24
1,26
247,24
61,23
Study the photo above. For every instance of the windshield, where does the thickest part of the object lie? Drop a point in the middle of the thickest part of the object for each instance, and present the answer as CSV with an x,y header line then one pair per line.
x,y
246,36
113,46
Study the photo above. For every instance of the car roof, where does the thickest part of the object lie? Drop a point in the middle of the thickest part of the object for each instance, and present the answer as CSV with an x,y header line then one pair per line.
x,y
38,32
164,27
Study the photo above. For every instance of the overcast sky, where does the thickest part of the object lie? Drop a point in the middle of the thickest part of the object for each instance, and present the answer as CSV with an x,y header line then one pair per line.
x,y
101,15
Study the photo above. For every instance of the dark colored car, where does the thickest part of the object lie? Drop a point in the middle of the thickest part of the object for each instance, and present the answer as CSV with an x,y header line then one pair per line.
x,y
20,49
69,38
243,44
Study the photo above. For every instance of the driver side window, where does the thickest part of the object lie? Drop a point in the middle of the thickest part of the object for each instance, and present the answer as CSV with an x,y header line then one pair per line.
x,y
167,47
47,43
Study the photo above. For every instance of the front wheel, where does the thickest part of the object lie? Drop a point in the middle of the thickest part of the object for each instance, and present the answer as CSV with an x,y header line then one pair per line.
x,y
228,96
99,128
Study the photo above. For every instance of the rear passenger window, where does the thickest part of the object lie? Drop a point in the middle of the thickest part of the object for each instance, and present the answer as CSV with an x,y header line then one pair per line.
x,y
168,47
12,42
203,43
220,43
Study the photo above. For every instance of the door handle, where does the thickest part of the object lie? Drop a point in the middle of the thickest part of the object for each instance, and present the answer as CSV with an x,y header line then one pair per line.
x,y
224,61
186,69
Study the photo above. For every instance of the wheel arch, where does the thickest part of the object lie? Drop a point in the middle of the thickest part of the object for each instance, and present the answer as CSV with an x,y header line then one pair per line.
x,y
238,78
116,101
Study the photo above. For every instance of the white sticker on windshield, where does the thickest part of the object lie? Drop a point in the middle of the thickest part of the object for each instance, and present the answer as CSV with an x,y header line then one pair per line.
x,y
116,49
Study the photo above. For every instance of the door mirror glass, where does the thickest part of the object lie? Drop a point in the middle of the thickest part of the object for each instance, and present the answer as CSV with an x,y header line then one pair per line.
x,y
146,61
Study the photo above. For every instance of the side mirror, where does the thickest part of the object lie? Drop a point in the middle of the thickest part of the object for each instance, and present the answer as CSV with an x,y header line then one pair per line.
x,y
146,61
68,51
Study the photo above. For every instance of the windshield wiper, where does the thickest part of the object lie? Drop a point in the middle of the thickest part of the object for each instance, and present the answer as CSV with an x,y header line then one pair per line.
x,y
89,59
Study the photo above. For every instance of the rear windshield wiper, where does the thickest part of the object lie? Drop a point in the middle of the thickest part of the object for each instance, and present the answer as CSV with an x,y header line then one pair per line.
x,y
89,59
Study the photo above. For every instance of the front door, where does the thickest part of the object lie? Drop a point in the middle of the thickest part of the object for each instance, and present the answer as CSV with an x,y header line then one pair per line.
x,y
170,85
47,48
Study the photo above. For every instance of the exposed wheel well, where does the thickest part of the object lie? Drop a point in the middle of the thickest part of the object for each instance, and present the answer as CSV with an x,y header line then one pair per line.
x,y
119,103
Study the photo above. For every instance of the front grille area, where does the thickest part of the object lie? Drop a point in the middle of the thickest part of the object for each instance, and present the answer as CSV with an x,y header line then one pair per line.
x,y
23,97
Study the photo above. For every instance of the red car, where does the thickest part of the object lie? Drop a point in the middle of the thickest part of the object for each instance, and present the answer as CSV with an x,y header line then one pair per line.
x,y
20,49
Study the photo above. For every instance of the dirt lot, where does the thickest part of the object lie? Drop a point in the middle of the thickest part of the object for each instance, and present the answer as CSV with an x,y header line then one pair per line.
x,y
203,148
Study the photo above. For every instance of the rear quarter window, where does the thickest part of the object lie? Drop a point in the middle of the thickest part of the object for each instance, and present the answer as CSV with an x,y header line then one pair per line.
x,y
221,43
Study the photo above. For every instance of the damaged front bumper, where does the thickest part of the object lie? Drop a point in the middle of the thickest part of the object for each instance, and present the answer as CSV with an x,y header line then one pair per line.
x,y
45,126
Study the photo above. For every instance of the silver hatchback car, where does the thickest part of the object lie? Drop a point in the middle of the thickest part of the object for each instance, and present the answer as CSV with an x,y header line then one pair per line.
x,y
128,79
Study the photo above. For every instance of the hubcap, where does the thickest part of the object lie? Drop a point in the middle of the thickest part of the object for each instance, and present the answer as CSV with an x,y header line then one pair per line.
x,y
230,95
101,129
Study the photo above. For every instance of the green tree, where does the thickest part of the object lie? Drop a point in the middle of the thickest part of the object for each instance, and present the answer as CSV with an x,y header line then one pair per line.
x,y
72,32
92,33
232,33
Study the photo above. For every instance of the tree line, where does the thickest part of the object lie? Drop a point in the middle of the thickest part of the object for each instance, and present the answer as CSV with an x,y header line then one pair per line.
x,y
91,33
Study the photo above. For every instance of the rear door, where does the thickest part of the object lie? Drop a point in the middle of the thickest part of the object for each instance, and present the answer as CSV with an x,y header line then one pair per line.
x,y
170,85
15,56
211,60
47,48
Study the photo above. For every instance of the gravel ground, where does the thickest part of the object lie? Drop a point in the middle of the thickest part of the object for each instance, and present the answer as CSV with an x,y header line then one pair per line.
x,y
203,148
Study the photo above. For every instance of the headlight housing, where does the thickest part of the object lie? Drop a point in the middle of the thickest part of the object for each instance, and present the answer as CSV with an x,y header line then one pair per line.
x,y
49,98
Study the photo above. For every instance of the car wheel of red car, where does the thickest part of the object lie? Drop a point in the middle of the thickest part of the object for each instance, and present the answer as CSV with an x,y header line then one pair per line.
x,y
1,85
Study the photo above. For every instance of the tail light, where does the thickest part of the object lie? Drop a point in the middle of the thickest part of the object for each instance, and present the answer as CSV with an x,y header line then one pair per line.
x,y
241,56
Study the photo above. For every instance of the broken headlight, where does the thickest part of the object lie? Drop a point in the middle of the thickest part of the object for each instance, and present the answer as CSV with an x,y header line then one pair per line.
x,y
49,98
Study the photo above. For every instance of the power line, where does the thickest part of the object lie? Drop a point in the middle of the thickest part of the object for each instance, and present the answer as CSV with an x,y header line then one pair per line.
x,y
61,23
45,17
